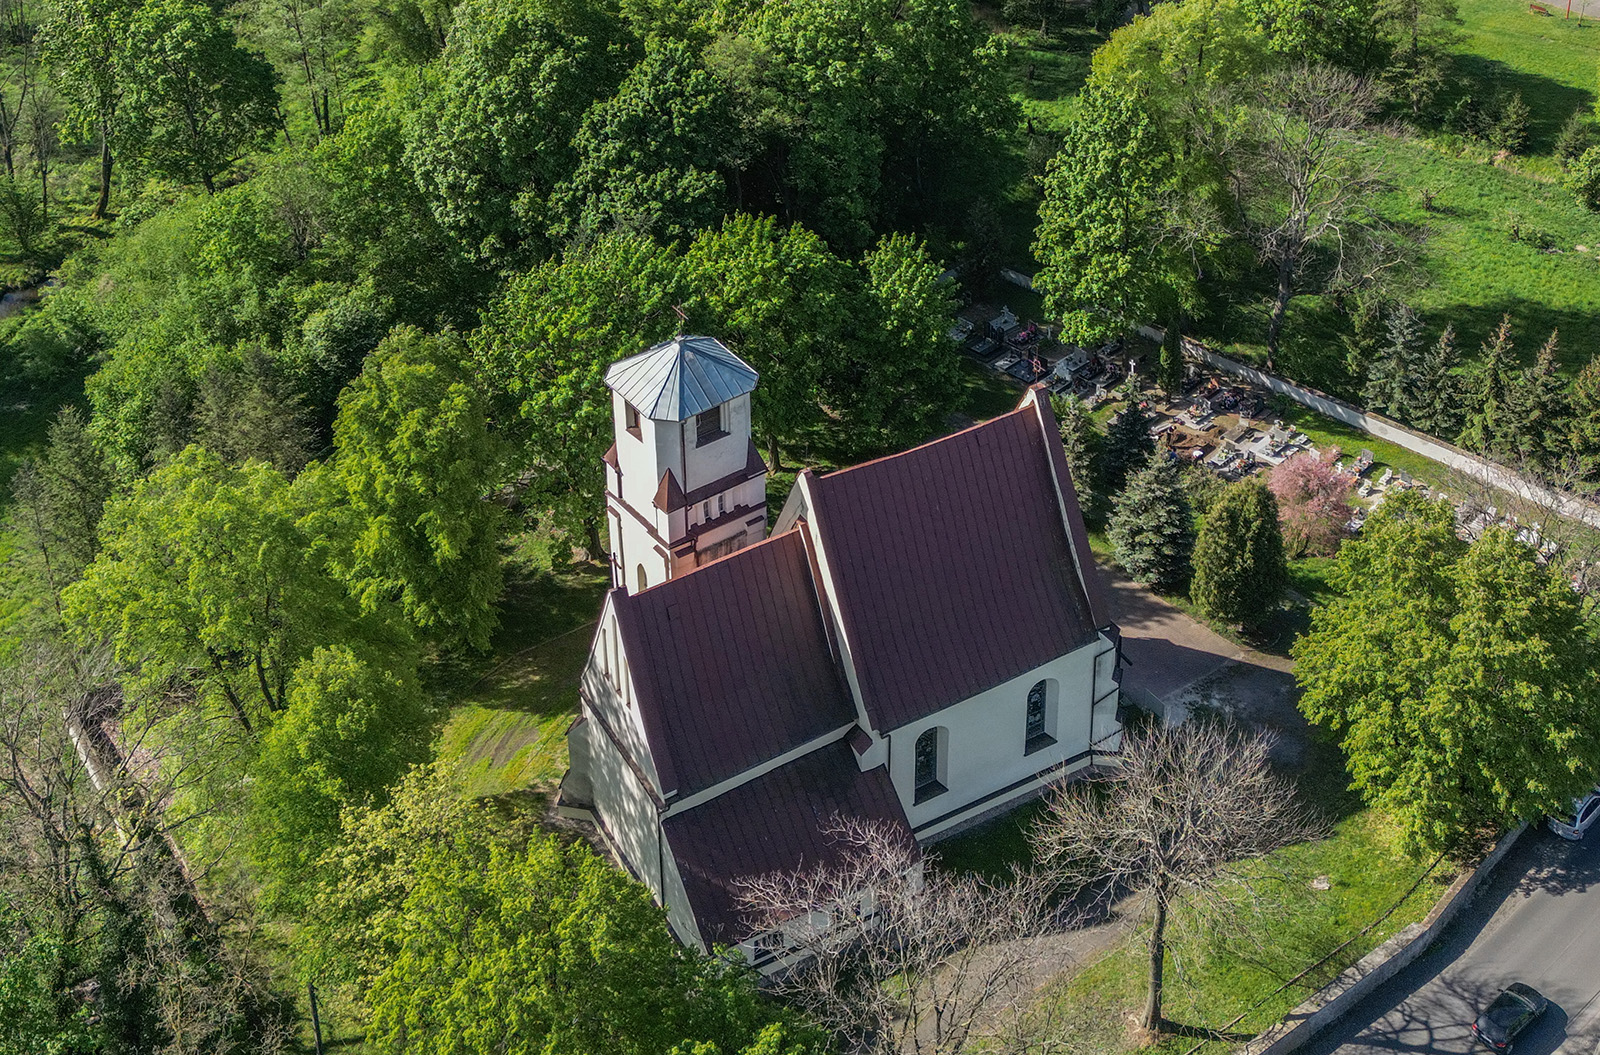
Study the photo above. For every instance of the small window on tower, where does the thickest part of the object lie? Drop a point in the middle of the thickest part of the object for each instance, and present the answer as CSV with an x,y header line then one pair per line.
x,y
721,504
630,418
708,426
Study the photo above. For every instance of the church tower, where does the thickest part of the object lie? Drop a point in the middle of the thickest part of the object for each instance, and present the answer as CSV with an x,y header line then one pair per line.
x,y
684,481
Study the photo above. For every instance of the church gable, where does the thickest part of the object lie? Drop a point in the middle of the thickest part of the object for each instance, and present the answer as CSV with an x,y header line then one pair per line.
x,y
951,566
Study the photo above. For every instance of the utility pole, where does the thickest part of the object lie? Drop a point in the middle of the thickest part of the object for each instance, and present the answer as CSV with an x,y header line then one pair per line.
x,y
316,1022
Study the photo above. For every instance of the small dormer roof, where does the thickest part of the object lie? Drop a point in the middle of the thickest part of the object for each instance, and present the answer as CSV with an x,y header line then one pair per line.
x,y
680,378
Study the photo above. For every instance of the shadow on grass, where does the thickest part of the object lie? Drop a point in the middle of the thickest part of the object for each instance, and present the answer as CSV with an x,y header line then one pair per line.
x,y
1550,102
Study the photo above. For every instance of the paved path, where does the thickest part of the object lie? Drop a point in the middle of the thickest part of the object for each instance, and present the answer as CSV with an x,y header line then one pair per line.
x,y
1537,921
1183,665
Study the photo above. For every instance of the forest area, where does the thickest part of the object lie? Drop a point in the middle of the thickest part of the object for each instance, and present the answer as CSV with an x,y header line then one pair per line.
x,y
304,416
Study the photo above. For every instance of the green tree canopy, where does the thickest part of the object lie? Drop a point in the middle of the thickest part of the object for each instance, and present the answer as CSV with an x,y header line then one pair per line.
x,y
545,346
207,577
195,98
651,157
492,133
1152,527
1459,678
1107,264
901,373
780,300
1239,567
415,460
351,727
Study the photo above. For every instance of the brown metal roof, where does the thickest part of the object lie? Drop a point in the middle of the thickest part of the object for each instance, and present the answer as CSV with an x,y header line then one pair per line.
x,y
779,822
732,664
670,497
952,564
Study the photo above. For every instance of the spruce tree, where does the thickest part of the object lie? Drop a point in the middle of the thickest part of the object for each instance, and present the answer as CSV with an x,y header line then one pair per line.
x,y
1239,568
1489,409
1151,527
1169,373
1391,378
1537,425
1584,421
1437,406
1082,442
1128,444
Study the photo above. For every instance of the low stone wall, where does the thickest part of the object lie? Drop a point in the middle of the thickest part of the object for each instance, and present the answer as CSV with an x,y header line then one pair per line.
x,y
1445,454
1381,964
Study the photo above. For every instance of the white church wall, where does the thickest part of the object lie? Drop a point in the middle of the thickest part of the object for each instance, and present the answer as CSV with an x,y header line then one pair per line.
x,y
984,760
721,457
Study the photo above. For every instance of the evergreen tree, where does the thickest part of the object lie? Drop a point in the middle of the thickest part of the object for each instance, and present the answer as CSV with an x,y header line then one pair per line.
x,y
1082,443
1151,528
1128,444
1169,373
1391,377
1537,428
1239,567
1584,420
1437,406
1490,413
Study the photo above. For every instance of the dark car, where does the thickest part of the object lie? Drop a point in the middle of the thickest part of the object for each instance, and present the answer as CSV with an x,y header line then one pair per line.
x,y
1509,1014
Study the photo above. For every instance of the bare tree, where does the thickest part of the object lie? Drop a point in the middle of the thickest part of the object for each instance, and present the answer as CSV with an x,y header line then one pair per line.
x,y
88,862
1183,805
1302,188
892,956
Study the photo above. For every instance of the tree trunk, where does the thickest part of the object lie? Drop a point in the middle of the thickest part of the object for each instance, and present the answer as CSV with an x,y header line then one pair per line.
x,y
591,528
1158,963
104,201
1280,308
774,455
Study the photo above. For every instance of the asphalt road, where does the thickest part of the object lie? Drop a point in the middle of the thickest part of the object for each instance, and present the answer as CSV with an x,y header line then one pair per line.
x,y
1537,921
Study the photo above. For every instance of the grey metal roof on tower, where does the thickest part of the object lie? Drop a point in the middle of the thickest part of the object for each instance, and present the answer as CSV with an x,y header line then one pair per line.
x,y
680,378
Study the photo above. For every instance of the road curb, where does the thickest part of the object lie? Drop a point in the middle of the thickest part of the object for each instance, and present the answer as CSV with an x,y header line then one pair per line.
x,y
1378,966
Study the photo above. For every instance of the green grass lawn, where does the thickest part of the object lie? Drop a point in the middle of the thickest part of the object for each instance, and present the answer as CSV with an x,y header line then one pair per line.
x,y
509,710
1211,978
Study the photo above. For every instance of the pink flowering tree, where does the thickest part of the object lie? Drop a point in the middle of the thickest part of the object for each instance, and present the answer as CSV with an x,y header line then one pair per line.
x,y
1313,503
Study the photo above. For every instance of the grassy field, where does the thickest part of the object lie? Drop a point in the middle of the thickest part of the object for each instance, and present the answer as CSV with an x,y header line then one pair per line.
x,y
1212,979
1469,270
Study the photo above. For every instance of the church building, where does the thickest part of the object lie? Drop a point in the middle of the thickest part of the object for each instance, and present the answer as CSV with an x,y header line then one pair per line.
x,y
919,641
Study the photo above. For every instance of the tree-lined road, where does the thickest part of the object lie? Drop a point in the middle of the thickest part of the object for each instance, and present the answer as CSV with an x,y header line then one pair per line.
x,y
1537,921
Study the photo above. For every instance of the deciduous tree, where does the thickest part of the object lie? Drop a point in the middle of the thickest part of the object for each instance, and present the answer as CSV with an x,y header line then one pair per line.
x,y
928,971
782,301
1313,503
1303,187
351,727
206,577
195,97
1181,807
1459,678
1107,264
896,385
545,346
416,461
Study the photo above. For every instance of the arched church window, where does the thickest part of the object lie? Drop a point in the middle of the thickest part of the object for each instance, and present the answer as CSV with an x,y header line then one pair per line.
x,y
929,764
1040,730
644,583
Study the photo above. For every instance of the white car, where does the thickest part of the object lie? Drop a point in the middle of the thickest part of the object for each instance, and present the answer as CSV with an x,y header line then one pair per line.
x,y
1584,811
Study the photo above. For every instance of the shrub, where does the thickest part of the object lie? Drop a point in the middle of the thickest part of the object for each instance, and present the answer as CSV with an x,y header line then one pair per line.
x,y
1239,568
1583,178
1577,136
